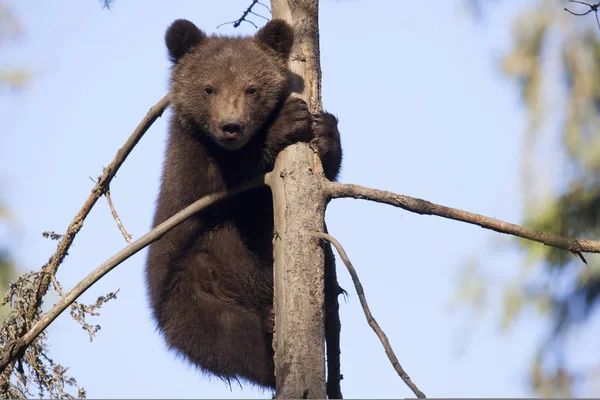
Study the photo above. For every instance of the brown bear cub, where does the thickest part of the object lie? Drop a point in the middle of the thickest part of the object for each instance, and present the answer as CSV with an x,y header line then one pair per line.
x,y
210,280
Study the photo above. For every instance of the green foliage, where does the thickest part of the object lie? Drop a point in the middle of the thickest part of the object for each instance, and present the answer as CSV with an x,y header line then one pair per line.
x,y
555,58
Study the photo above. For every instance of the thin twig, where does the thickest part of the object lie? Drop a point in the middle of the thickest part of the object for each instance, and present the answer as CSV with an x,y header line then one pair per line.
x,y
593,8
79,312
57,286
265,6
52,235
113,211
11,350
238,21
258,15
424,207
106,3
374,325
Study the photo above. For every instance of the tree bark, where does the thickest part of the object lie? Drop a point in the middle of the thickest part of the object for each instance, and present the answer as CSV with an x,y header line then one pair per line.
x,y
299,275
299,207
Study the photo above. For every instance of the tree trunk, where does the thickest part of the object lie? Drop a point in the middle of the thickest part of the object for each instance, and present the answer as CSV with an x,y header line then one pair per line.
x,y
299,275
299,209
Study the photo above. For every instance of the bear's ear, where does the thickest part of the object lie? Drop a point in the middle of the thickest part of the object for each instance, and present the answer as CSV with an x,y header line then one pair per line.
x,y
181,36
278,35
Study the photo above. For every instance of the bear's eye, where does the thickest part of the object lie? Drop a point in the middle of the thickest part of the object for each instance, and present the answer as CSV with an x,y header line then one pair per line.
x,y
208,91
252,91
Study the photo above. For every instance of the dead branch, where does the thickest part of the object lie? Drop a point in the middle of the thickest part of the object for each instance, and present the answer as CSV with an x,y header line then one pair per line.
x,y
372,322
80,311
576,246
113,211
103,182
12,350
41,282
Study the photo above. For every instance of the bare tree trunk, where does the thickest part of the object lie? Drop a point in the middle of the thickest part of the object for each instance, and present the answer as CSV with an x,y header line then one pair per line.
x,y
299,207
299,275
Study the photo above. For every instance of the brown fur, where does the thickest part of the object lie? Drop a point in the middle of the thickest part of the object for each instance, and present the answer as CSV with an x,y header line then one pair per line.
x,y
210,280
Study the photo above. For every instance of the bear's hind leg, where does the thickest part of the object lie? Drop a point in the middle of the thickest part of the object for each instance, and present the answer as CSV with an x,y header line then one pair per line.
x,y
221,337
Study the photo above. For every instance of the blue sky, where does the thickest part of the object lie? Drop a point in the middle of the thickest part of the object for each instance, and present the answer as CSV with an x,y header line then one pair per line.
x,y
424,111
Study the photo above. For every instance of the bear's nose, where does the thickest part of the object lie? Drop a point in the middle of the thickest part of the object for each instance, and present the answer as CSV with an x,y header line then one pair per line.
x,y
232,128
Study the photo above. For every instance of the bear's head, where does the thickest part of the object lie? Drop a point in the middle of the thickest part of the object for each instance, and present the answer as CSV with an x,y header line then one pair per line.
x,y
227,88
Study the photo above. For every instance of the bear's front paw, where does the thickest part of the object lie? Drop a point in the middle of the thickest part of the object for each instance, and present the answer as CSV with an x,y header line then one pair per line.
x,y
325,132
295,120
326,138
